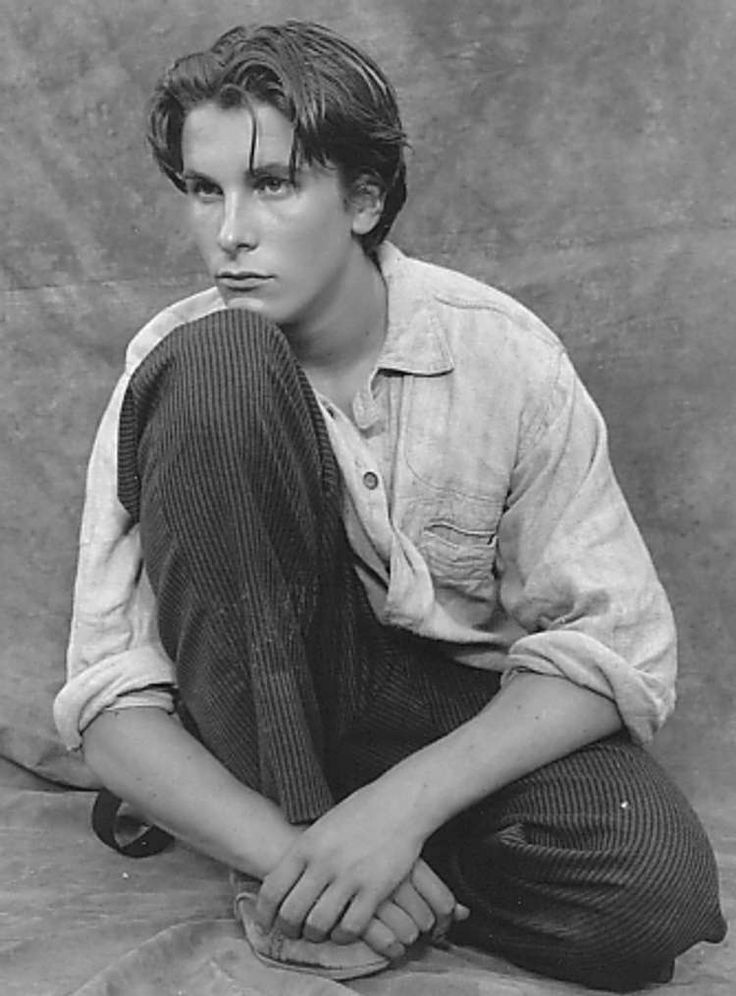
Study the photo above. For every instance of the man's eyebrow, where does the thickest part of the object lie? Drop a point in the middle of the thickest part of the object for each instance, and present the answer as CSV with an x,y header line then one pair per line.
x,y
275,166
256,169
193,174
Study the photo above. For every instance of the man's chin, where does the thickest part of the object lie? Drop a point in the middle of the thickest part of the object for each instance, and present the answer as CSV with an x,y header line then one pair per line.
x,y
236,301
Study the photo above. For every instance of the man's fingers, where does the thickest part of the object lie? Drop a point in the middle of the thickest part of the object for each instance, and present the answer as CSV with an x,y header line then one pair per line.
x,y
298,905
435,893
432,889
407,897
460,912
325,915
357,916
383,940
397,920
275,888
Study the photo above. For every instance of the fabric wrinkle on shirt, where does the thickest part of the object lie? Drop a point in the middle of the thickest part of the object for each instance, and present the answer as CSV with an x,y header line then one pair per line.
x,y
479,501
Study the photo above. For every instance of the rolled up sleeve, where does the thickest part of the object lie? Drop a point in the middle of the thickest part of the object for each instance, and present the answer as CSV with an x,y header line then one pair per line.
x,y
575,572
114,656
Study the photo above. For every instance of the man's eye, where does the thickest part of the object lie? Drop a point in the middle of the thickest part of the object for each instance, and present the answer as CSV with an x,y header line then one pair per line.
x,y
203,190
274,185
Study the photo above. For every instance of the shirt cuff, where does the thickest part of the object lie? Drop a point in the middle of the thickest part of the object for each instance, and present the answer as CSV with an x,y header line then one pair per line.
x,y
644,700
105,684
155,696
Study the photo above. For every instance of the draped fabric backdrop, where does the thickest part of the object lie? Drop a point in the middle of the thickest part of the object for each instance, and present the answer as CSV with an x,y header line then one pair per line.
x,y
576,153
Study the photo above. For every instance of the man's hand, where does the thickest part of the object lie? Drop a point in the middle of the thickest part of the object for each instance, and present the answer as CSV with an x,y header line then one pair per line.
x,y
407,915
354,871
410,913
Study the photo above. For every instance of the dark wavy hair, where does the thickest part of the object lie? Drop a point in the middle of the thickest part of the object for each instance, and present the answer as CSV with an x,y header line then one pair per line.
x,y
342,107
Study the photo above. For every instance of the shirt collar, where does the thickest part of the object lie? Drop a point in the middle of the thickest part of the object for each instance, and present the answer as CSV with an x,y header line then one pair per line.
x,y
415,339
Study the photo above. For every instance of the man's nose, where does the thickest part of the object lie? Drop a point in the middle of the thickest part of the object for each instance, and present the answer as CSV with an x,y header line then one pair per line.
x,y
238,228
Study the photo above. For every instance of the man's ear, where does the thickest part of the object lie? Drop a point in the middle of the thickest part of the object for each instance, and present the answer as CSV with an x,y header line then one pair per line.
x,y
366,203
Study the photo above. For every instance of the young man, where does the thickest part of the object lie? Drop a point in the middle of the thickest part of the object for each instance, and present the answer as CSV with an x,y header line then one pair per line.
x,y
352,516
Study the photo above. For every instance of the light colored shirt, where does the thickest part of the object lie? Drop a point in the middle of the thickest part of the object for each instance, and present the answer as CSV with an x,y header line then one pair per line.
x,y
479,501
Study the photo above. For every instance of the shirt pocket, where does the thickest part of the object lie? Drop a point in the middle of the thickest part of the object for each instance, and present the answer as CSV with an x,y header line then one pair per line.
x,y
461,558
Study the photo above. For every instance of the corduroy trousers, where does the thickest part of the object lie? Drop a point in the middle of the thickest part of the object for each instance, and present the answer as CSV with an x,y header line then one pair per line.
x,y
593,868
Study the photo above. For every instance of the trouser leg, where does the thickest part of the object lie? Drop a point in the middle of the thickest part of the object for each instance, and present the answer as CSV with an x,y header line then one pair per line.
x,y
224,461
593,869
291,682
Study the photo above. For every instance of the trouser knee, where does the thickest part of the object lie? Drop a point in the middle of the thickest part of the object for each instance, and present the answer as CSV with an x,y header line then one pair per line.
x,y
634,938
221,397
226,374
594,869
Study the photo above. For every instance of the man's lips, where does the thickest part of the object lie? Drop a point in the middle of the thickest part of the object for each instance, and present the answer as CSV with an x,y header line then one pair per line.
x,y
242,280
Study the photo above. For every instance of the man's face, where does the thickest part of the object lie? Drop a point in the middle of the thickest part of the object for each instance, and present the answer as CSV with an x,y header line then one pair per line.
x,y
276,247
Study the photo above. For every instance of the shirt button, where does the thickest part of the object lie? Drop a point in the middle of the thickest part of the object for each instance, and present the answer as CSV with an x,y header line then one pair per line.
x,y
370,480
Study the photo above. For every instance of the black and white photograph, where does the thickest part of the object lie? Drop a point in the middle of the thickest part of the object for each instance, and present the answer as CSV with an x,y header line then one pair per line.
x,y
367,475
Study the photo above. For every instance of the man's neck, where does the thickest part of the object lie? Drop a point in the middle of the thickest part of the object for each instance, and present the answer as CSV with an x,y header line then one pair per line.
x,y
351,326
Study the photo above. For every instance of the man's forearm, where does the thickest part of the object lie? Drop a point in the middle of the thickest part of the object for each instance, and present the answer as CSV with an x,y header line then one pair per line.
x,y
147,758
532,721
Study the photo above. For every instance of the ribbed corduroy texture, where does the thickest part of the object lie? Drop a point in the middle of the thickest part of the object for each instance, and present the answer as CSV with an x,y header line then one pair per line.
x,y
593,868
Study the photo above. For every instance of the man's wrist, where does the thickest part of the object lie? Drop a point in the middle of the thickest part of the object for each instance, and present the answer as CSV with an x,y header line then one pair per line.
x,y
414,790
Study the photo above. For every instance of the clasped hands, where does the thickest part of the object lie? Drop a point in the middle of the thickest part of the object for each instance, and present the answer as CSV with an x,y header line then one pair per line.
x,y
356,873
